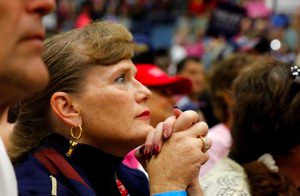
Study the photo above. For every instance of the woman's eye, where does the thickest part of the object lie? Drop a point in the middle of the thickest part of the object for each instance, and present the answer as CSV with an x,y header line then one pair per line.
x,y
120,79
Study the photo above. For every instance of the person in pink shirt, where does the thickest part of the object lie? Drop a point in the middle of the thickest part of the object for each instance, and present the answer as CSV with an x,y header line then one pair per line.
x,y
222,76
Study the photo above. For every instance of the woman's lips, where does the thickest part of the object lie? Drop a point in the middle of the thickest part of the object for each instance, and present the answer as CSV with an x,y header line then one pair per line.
x,y
144,115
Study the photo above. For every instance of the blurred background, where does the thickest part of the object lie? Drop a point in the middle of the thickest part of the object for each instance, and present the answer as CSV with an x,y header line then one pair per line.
x,y
166,31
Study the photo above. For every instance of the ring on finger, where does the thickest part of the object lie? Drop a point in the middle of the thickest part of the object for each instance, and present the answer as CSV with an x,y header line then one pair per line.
x,y
205,145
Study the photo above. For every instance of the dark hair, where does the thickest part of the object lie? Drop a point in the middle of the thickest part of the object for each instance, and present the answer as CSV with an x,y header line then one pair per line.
x,y
266,120
13,113
181,65
221,77
68,57
265,182
87,3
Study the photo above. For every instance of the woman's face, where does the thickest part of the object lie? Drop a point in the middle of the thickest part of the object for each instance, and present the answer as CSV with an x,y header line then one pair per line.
x,y
115,118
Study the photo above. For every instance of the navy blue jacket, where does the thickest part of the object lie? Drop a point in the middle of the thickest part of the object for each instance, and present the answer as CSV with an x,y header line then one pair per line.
x,y
88,172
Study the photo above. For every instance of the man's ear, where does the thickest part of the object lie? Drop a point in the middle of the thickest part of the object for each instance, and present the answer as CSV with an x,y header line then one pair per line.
x,y
65,108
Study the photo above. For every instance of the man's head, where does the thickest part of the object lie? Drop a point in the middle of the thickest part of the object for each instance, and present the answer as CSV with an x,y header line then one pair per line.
x,y
191,68
22,70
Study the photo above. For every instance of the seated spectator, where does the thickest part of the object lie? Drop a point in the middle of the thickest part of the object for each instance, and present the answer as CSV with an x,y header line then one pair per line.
x,y
70,138
222,76
265,154
198,99
163,89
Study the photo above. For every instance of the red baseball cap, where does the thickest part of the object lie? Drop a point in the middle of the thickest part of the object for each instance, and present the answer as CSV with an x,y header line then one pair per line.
x,y
152,76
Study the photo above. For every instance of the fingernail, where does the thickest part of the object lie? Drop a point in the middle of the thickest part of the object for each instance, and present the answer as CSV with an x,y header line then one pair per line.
x,y
155,149
165,135
166,132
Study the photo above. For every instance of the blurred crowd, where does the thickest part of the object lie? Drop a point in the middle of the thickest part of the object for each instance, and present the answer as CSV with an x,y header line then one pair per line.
x,y
166,31
189,37
233,64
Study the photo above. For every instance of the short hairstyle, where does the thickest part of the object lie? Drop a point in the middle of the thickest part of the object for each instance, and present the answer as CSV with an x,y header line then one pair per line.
x,y
181,65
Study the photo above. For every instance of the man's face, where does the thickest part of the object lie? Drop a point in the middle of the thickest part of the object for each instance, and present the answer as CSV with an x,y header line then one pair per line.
x,y
194,71
22,70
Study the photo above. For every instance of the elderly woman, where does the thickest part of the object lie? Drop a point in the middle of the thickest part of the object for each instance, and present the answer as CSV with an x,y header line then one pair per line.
x,y
71,137
265,153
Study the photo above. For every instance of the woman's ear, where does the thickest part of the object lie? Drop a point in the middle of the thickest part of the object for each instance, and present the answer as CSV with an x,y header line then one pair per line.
x,y
63,105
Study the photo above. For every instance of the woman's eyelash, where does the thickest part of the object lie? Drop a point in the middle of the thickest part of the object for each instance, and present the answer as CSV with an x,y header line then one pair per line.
x,y
121,78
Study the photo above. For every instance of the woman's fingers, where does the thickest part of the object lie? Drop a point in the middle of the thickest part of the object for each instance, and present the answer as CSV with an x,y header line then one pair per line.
x,y
167,127
180,122
147,147
206,143
181,155
198,130
177,112
157,139
185,120
153,143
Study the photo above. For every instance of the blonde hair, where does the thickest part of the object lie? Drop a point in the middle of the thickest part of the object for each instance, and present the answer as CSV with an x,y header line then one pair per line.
x,y
68,56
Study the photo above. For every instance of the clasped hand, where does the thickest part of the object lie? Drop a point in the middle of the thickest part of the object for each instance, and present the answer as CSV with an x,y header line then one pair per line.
x,y
174,152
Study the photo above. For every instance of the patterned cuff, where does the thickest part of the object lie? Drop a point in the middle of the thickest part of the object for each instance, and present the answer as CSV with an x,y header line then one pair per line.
x,y
172,193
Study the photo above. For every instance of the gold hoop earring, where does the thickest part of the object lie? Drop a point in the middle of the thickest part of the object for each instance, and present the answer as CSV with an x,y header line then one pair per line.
x,y
73,139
